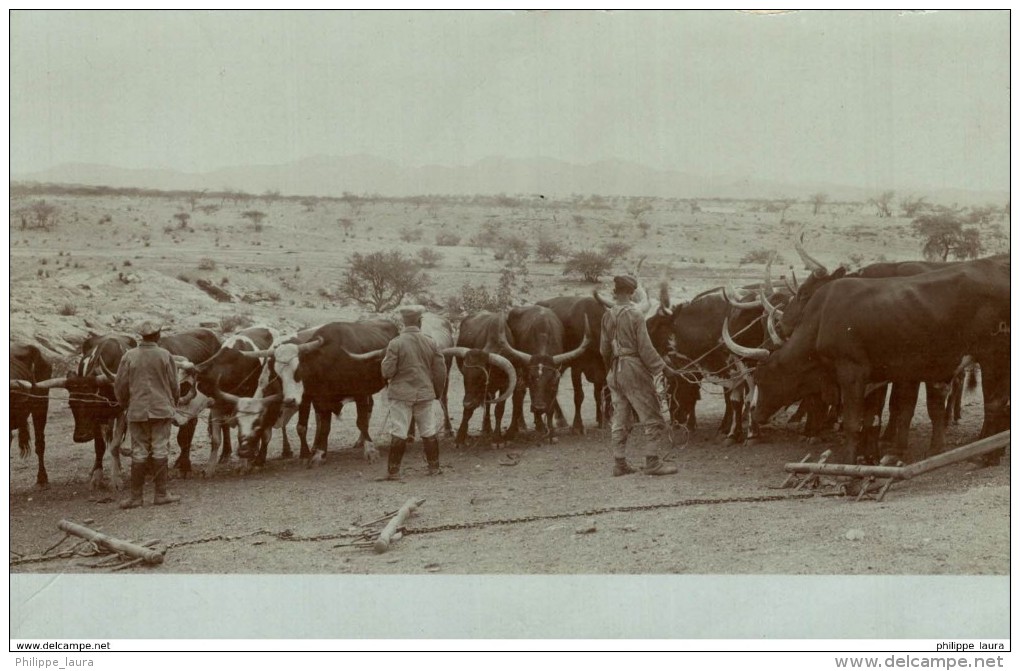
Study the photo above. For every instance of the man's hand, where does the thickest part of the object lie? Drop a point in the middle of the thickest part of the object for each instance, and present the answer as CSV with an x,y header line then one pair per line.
x,y
670,371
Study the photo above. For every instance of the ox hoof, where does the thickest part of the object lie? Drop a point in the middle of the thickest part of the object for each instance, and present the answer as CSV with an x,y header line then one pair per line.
x,y
316,460
371,454
553,440
730,442
753,441
287,454
577,430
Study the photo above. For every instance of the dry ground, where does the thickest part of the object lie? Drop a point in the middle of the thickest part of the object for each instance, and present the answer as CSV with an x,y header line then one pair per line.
x,y
139,265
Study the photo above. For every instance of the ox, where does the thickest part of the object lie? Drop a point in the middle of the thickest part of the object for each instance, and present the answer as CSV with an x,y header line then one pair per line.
x,y
188,347
328,371
97,415
229,370
489,378
28,366
540,356
856,331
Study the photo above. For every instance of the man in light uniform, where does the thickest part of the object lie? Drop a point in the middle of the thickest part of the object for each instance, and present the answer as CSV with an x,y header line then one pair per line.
x,y
415,372
632,364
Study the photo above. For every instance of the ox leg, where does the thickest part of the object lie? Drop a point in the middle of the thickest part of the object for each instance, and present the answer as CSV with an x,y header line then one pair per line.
x,y
872,425
499,441
304,413
936,394
462,431
598,396
447,426
216,437
323,419
727,420
487,421
39,435
851,384
575,380
118,433
183,462
96,481
226,451
260,457
364,405
185,434
517,414
902,400
735,405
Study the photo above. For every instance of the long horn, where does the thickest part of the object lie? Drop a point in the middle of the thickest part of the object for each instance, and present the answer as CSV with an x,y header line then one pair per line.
x,y
21,384
221,395
664,298
459,352
105,372
272,399
560,359
51,383
183,362
737,304
642,302
511,374
768,272
367,356
810,263
311,345
523,357
789,285
765,303
758,353
597,295
773,333
796,284
258,354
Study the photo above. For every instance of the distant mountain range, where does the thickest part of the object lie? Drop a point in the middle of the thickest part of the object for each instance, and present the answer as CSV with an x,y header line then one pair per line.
x,y
361,174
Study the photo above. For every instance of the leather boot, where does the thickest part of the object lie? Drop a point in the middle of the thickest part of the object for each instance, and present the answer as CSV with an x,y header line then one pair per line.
x,y
432,454
397,447
656,466
138,471
622,468
159,480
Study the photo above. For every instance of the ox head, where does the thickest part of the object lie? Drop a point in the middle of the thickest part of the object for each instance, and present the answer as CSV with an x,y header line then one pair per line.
x,y
90,396
542,371
288,361
488,378
253,416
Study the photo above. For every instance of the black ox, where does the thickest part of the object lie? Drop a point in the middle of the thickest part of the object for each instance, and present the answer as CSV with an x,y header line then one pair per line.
x,y
28,366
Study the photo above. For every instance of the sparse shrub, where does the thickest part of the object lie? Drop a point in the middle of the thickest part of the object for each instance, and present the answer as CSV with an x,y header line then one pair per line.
x,y
182,220
615,250
127,263
380,280
548,249
644,227
224,281
232,323
447,239
68,310
759,256
43,262
510,245
255,217
410,234
429,258
615,228
589,264
206,264
346,224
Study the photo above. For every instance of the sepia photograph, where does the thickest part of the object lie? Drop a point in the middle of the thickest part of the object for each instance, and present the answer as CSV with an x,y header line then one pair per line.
x,y
675,325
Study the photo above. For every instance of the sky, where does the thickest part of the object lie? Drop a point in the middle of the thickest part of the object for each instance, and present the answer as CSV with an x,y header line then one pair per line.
x,y
870,99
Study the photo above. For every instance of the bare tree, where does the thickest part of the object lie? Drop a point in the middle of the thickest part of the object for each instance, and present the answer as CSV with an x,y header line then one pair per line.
x,y
912,206
817,201
883,202
380,280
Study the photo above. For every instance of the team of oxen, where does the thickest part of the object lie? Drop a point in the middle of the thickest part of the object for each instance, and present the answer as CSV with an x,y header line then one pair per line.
x,y
832,344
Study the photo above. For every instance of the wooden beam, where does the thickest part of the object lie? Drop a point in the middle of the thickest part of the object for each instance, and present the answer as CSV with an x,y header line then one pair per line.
x,y
124,547
850,469
975,449
383,543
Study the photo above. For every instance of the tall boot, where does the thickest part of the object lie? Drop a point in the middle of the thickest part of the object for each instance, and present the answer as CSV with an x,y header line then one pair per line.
x,y
432,454
159,480
138,471
656,466
621,467
397,447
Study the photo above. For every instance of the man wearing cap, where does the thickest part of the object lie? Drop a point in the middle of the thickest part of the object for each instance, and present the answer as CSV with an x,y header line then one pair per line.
x,y
147,386
632,364
415,372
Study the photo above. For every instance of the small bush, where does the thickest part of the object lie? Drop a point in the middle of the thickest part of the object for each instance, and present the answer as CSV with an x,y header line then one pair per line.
x,y
429,258
590,265
68,310
548,249
206,264
447,239
234,322
759,256
127,263
615,250
410,234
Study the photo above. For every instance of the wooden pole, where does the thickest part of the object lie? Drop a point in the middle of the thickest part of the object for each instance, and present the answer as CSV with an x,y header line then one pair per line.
x,y
115,544
975,449
383,543
850,469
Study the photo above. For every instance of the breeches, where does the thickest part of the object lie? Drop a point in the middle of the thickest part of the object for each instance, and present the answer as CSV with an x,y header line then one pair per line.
x,y
424,413
634,398
150,438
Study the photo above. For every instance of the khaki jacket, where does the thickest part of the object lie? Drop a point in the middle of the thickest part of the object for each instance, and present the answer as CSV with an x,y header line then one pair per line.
x,y
147,383
414,367
625,336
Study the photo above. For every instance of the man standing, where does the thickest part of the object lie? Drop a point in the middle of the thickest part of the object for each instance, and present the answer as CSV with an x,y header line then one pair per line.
x,y
147,386
415,372
632,363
